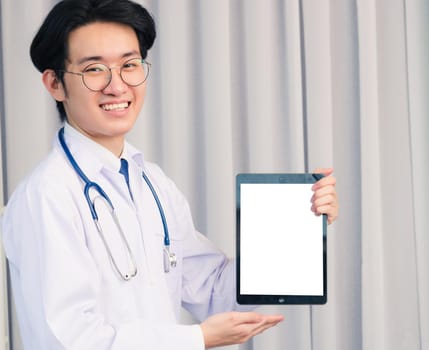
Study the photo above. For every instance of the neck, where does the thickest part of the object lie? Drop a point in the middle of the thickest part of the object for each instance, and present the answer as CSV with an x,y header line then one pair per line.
x,y
114,144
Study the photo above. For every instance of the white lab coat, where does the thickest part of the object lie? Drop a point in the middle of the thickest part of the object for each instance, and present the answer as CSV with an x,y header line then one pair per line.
x,y
66,291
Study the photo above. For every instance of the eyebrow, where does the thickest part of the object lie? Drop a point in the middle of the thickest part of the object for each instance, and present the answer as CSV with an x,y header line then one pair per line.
x,y
100,58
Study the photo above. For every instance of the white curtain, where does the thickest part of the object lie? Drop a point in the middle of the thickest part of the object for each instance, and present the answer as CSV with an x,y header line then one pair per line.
x,y
279,86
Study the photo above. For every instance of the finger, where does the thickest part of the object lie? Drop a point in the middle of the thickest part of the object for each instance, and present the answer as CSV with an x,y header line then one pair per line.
x,y
264,321
325,181
246,317
324,171
265,325
245,331
323,205
330,211
274,318
256,318
270,321
328,190
324,209
328,198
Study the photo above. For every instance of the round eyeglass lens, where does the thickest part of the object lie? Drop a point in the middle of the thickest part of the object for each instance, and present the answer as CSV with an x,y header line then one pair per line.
x,y
134,72
97,76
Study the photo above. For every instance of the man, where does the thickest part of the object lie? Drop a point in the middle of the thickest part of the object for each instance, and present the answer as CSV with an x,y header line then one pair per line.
x,y
82,279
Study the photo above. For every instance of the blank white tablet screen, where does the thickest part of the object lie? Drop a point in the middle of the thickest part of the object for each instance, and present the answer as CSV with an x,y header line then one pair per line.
x,y
281,241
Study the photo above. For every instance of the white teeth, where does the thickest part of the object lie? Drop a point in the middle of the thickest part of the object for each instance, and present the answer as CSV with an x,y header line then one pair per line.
x,y
113,106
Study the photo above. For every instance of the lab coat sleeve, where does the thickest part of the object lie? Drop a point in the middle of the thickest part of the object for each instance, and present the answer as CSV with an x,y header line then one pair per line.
x,y
56,284
208,275
212,289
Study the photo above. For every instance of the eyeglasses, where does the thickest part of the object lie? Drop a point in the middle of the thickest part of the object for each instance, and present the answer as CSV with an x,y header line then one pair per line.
x,y
97,76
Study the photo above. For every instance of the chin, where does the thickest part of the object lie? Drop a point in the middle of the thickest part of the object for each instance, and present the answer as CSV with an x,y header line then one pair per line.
x,y
123,127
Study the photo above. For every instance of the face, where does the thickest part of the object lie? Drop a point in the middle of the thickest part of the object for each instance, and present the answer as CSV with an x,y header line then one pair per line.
x,y
104,116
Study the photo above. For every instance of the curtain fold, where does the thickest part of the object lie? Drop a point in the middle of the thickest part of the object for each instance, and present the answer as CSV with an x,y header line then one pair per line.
x,y
279,86
4,314
417,33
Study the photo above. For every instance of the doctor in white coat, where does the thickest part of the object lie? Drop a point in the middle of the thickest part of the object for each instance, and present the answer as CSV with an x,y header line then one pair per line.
x,y
82,277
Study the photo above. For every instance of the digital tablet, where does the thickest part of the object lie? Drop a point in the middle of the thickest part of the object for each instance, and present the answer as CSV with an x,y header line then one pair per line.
x,y
281,243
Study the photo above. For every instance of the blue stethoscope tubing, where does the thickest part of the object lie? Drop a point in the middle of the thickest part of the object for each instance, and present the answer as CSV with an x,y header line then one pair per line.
x,y
169,258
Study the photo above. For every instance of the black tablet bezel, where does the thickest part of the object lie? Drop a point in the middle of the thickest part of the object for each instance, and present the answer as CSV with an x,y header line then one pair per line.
x,y
304,178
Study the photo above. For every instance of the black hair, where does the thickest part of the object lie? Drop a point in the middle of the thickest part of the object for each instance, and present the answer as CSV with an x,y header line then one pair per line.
x,y
49,49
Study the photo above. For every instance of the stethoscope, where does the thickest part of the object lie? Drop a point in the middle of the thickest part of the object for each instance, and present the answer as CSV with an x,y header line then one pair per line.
x,y
170,259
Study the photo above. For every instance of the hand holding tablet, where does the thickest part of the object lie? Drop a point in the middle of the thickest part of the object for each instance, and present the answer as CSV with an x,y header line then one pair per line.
x,y
281,244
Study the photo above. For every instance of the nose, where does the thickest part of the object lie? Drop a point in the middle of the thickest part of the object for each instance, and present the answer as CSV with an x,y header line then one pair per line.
x,y
116,86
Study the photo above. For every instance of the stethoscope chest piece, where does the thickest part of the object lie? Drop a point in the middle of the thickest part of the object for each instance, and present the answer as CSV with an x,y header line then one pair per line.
x,y
170,259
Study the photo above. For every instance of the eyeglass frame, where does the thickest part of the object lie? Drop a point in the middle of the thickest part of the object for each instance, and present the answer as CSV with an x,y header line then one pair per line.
x,y
109,69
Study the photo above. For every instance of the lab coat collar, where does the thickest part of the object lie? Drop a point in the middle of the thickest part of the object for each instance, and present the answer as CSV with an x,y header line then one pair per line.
x,y
132,153
92,157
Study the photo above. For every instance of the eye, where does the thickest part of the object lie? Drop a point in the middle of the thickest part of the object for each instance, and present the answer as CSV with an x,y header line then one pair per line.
x,y
129,65
96,68
132,64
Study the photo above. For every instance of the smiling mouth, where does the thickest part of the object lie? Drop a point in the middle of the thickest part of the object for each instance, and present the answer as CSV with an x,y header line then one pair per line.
x,y
115,106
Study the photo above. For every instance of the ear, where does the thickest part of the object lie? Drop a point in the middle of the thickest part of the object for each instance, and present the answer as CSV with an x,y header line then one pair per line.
x,y
53,85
